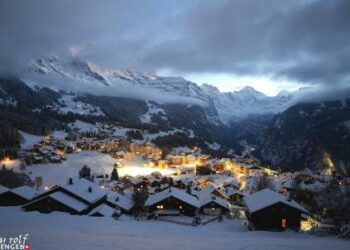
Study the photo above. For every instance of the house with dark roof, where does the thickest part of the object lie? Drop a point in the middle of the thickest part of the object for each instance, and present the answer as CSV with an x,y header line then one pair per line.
x,y
16,196
78,196
269,210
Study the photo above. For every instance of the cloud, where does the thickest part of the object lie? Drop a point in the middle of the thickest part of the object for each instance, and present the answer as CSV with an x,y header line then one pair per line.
x,y
303,40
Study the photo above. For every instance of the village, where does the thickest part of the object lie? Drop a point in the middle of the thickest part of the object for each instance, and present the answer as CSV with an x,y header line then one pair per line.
x,y
183,186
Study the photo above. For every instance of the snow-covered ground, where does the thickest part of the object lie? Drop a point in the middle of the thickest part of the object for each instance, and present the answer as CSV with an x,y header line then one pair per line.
x,y
82,126
28,140
152,110
77,107
99,163
59,173
62,231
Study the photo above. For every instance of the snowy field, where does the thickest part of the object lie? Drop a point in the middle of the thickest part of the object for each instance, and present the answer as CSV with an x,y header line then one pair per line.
x,y
57,173
62,231
99,163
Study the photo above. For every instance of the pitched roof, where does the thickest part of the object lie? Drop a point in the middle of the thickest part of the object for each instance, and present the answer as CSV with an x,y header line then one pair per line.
x,y
204,200
267,197
80,187
228,191
3,189
68,201
103,209
25,192
173,192
120,200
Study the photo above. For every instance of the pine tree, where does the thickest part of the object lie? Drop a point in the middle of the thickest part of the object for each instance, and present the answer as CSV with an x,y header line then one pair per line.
x,y
85,172
114,175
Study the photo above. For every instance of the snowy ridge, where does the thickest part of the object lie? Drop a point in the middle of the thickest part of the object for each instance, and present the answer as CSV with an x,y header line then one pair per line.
x,y
85,77
239,104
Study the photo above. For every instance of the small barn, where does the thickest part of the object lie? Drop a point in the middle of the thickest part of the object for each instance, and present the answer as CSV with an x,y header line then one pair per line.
x,y
269,210
17,196
173,201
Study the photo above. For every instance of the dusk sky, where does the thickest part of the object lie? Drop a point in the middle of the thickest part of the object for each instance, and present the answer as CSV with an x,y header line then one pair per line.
x,y
269,44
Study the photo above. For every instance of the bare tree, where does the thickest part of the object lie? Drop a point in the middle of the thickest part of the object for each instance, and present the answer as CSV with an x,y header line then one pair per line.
x,y
38,182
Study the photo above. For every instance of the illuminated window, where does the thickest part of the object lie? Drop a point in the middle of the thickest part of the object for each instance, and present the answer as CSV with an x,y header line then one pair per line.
x,y
180,207
284,223
160,207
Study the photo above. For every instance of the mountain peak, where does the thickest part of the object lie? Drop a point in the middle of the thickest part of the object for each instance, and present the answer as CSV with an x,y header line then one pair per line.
x,y
250,91
209,88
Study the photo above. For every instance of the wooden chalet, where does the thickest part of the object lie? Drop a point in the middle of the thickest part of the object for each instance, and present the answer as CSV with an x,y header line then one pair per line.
x,y
17,196
78,196
173,201
269,210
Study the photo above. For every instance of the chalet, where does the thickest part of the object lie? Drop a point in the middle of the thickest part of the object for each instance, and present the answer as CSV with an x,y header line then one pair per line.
x,y
138,182
213,205
305,175
202,159
119,155
183,183
17,196
173,201
269,210
176,159
210,203
190,159
234,195
78,196
162,163
255,170
239,168
121,202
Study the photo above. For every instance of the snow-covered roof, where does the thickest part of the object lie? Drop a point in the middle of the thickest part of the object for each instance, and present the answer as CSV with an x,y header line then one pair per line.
x,y
103,209
204,200
80,187
204,192
173,192
228,191
25,192
3,189
68,201
122,201
267,197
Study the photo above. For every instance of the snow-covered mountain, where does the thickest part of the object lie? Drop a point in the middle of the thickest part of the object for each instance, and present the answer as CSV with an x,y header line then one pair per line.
x,y
90,78
84,77
232,106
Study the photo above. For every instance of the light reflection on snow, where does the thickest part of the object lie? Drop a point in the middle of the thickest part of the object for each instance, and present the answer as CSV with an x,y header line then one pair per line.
x,y
141,170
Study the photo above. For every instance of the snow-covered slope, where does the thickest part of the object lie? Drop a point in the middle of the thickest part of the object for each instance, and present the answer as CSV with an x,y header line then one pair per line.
x,y
81,76
85,77
62,231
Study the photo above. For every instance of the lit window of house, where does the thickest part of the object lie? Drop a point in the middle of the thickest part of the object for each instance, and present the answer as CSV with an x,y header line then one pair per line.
x,y
160,207
284,223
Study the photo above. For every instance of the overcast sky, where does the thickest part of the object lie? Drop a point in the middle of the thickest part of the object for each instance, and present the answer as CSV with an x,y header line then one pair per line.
x,y
268,44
